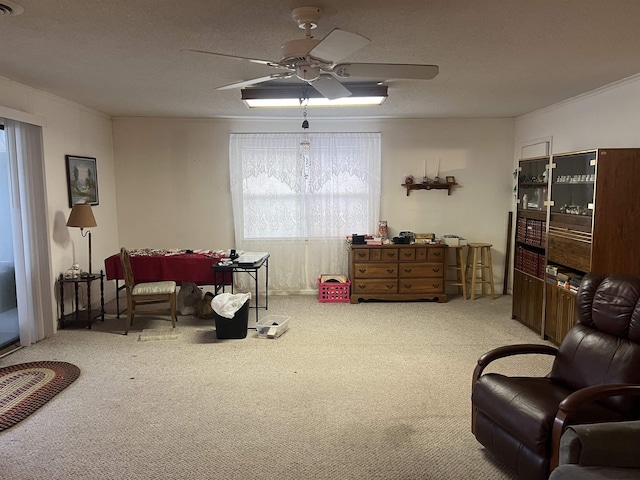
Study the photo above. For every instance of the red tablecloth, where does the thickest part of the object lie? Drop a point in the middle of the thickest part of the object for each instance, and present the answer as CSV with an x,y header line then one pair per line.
x,y
188,267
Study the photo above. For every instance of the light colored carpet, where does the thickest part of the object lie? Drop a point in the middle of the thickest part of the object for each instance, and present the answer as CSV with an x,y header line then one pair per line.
x,y
368,391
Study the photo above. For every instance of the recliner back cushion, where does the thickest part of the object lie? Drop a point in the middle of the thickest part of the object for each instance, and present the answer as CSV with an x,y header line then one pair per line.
x,y
603,347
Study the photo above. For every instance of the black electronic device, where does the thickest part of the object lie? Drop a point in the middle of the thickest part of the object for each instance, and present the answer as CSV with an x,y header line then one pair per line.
x,y
402,240
357,239
233,255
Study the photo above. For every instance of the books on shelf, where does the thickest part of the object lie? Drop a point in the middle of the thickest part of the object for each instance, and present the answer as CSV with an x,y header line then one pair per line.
x,y
563,278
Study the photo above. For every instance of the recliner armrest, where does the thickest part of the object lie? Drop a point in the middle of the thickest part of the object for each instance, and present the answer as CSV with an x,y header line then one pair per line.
x,y
508,351
611,444
571,403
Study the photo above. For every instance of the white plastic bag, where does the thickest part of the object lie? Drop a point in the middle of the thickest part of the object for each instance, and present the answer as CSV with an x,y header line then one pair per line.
x,y
227,304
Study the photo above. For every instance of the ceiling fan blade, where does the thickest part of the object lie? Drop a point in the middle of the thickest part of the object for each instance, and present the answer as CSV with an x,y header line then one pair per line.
x,y
330,88
248,83
386,71
337,45
234,57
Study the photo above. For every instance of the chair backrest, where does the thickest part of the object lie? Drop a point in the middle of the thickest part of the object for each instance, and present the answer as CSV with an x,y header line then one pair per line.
x,y
125,259
604,346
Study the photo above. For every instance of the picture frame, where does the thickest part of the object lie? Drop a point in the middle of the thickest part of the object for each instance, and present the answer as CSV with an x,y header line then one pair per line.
x,y
82,180
451,179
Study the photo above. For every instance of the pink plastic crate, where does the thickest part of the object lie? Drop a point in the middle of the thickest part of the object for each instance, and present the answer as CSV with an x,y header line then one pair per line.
x,y
334,292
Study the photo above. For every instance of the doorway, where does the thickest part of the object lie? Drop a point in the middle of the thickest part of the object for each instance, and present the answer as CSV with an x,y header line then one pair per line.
x,y
9,327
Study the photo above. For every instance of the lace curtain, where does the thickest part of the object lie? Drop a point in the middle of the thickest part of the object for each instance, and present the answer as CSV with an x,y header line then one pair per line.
x,y
300,203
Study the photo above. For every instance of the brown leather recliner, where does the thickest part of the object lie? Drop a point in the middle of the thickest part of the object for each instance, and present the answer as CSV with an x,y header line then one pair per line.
x,y
595,377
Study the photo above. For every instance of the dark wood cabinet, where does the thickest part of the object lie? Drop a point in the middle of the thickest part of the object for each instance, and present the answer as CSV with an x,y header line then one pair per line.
x,y
560,312
591,208
528,300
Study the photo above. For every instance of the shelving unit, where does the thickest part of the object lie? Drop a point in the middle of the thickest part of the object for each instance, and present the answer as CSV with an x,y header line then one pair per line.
x,y
588,212
530,242
429,186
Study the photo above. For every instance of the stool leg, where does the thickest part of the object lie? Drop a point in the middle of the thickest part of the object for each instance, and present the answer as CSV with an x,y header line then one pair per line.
x,y
483,268
474,273
458,273
463,279
490,264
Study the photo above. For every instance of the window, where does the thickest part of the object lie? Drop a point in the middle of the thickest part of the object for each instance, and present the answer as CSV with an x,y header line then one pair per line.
x,y
284,192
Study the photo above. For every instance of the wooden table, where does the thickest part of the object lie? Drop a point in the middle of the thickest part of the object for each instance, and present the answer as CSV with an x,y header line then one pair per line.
x,y
78,315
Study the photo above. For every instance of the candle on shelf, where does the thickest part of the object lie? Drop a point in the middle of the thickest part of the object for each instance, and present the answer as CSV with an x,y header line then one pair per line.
x,y
437,178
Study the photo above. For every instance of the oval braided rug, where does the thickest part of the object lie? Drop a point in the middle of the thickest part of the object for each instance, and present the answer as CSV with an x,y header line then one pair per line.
x,y
25,387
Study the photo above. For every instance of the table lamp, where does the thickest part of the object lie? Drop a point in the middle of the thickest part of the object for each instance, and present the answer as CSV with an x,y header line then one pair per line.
x,y
82,216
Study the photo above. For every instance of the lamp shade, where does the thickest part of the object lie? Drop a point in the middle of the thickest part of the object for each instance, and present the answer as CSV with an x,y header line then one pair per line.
x,y
81,216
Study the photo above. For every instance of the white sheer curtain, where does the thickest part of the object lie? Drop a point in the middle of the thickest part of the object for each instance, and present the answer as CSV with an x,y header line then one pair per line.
x,y
30,234
299,204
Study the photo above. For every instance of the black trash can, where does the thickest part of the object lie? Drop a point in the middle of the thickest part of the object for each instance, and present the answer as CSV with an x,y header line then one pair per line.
x,y
235,327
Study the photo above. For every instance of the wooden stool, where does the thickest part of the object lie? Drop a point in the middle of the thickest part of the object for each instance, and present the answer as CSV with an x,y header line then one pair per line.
x,y
479,258
459,266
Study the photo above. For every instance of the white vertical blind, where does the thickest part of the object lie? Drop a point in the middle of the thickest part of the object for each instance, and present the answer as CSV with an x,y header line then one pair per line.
x,y
29,223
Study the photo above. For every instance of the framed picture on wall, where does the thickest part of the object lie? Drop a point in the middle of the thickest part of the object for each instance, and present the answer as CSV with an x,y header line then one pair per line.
x,y
82,180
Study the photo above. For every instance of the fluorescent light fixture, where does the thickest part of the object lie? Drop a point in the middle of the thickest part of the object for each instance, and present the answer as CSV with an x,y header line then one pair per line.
x,y
295,97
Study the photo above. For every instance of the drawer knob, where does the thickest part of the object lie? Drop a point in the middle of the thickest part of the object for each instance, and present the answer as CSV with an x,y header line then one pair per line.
x,y
436,254
362,287
436,270
390,270
361,254
435,285
407,285
408,270
390,255
362,270
407,254
389,287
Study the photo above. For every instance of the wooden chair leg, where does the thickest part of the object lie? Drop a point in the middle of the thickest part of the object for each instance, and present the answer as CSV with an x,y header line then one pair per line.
x,y
129,319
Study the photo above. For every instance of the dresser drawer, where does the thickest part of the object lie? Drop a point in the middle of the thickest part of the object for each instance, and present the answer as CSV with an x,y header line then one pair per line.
x,y
361,254
412,270
375,270
365,286
436,254
384,254
420,285
407,254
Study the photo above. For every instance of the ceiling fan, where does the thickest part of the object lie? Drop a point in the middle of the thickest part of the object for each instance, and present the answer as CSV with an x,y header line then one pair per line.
x,y
316,61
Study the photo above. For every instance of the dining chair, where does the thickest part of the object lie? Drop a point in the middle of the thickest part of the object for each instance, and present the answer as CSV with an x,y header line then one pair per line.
x,y
140,294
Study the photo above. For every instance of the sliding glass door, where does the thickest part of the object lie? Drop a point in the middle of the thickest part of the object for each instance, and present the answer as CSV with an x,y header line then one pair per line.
x,y
9,329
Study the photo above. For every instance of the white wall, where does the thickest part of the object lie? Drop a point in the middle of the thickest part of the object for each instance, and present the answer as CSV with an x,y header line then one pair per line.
x,y
172,178
71,129
608,117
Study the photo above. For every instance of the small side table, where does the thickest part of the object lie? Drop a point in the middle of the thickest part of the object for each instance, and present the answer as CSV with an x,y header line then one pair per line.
x,y
78,315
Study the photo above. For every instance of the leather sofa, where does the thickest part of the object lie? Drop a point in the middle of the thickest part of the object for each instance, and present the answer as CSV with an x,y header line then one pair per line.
x,y
595,378
599,451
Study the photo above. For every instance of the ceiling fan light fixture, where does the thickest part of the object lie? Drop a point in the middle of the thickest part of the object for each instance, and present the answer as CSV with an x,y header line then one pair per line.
x,y
9,8
289,97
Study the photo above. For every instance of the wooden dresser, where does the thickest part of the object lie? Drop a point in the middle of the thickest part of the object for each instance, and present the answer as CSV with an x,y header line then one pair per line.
x,y
397,272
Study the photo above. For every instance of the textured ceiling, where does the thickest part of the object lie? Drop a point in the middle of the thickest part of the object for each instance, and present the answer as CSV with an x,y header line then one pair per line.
x,y
497,58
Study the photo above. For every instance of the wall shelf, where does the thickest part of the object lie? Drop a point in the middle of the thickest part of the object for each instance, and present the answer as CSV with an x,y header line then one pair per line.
x,y
429,186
